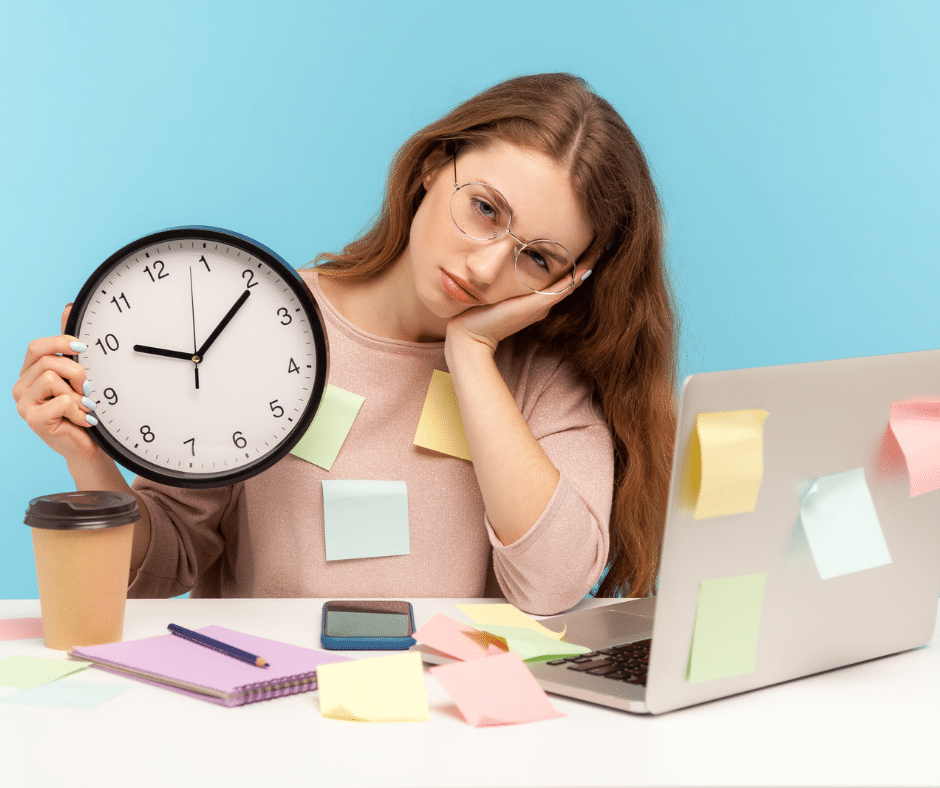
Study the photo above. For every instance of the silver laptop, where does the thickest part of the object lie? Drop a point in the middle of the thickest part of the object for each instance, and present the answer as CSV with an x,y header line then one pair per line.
x,y
810,576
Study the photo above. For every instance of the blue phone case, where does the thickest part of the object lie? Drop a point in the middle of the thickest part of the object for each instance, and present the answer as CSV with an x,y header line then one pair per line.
x,y
366,643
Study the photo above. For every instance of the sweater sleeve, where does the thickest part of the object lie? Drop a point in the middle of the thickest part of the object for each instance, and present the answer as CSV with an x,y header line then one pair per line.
x,y
189,535
558,561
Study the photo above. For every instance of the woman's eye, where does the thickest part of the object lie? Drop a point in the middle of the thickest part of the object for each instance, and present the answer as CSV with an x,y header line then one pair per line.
x,y
486,210
537,258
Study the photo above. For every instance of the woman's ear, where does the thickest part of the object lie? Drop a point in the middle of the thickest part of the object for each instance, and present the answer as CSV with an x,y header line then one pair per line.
x,y
436,158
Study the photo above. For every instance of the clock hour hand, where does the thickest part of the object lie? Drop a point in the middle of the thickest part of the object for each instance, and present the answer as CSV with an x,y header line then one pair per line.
x,y
225,321
159,351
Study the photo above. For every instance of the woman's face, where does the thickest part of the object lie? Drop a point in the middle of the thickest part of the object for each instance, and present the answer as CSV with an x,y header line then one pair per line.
x,y
453,272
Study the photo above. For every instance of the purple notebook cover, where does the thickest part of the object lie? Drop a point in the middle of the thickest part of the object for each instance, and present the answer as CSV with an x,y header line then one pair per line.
x,y
173,657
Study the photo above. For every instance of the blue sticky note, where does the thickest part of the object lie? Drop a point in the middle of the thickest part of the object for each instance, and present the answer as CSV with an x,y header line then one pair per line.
x,y
842,526
365,519
67,694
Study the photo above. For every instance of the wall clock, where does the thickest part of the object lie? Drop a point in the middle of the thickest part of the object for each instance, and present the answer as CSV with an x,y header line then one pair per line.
x,y
207,356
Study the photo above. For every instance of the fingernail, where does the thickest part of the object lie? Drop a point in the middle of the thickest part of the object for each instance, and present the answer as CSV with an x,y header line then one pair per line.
x,y
88,403
586,274
78,347
91,419
86,388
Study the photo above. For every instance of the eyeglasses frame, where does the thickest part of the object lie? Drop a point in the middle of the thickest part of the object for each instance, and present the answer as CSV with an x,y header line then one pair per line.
x,y
520,244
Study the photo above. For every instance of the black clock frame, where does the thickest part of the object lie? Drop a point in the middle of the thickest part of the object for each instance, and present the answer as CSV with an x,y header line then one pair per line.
x,y
117,451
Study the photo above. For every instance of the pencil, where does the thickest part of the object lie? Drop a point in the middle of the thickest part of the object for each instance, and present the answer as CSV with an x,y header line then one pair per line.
x,y
217,645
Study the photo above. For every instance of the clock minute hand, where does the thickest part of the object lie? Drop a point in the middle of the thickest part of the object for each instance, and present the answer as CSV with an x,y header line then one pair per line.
x,y
225,321
159,351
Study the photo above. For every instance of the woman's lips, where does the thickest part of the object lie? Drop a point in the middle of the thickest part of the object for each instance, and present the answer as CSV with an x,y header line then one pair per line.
x,y
460,290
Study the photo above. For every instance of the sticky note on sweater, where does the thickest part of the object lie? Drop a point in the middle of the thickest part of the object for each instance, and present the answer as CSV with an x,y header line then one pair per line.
x,y
328,430
440,427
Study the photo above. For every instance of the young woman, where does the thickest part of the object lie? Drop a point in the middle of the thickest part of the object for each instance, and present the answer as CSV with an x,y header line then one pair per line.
x,y
519,248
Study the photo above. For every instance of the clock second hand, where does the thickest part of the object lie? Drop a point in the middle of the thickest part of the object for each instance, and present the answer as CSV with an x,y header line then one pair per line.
x,y
192,303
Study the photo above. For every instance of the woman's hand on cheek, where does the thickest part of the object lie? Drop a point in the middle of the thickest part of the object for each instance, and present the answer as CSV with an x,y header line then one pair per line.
x,y
489,325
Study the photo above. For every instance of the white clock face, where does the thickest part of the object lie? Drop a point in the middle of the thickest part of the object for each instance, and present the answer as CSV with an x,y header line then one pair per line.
x,y
202,358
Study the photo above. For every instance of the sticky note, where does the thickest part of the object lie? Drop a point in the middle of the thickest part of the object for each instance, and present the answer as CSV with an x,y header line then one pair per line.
x,y
67,694
328,430
504,614
842,526
20,628
454,639
727,624
532,645
365,518
916,425
378,689
25,672
440,427
725,464
497,690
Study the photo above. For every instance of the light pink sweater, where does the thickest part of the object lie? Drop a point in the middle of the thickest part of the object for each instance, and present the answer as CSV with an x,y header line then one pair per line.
x,y
265,537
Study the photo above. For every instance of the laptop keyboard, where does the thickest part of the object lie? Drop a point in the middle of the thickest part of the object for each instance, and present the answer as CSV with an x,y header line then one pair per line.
x,y
628,662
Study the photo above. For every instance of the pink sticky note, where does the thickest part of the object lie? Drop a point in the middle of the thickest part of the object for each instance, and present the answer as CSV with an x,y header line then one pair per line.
x,y
20,628
456,640
496,690
916,425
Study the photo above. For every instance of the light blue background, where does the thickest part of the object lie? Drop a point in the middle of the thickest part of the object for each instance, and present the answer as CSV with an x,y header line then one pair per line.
x,y
794,144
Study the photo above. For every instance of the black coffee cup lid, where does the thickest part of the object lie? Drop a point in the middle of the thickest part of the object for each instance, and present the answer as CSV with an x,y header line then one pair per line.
x,y
82,510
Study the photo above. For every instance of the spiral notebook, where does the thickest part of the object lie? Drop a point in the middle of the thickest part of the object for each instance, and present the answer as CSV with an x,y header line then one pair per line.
x,y
181,665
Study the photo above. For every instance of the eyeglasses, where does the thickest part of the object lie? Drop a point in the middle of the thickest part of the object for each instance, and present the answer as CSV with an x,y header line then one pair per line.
x,y
480,212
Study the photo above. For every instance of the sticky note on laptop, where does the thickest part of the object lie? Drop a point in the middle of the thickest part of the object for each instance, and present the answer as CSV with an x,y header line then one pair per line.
x,y
725,464
324,438
440,427
916,425
727,626
842,526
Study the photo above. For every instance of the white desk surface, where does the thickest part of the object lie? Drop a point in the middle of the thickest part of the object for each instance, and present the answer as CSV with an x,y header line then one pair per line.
x,y
876,723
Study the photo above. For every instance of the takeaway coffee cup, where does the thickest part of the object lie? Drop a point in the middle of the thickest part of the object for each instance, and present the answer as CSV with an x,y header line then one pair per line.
x,y
82,545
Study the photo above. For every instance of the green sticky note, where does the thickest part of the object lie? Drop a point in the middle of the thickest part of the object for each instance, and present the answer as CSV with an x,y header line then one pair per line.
x,y
25,672
365,518
328,430
532,645
727,624
67,695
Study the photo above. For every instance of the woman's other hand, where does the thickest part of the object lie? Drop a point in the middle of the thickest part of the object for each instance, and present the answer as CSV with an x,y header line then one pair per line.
x,y
51,396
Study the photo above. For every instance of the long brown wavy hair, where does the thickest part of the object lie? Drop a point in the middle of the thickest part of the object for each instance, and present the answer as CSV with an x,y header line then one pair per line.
x,y
618,329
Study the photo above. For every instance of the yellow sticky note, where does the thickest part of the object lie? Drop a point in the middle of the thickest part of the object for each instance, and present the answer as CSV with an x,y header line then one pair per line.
x,y
506,615
727,626
379,689
328,430
725,464
440,427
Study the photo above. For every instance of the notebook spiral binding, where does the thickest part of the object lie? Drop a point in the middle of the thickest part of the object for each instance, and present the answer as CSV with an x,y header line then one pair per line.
x,y
265,690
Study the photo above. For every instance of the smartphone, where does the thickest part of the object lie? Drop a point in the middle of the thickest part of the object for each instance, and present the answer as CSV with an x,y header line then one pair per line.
x,y
357,625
